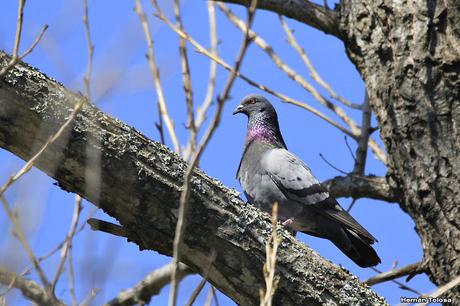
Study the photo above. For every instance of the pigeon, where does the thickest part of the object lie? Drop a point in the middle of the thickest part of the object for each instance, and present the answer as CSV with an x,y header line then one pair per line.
x,y
269,173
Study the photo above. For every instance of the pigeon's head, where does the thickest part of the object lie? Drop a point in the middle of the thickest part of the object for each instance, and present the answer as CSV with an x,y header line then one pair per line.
x,y
255,105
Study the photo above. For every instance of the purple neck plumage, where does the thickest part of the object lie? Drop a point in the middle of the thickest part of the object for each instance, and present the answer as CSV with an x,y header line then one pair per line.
x,y
264,128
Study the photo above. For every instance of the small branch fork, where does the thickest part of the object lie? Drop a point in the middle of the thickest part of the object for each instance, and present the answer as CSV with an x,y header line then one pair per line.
x,y
17,41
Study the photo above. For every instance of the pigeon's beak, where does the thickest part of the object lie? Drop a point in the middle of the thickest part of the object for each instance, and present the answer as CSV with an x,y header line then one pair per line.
x,y
238,109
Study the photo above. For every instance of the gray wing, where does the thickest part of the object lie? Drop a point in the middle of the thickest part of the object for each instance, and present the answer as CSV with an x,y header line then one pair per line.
x,y
295,179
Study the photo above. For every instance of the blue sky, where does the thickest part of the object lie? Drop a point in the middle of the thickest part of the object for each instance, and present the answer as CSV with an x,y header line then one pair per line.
x,y
123,87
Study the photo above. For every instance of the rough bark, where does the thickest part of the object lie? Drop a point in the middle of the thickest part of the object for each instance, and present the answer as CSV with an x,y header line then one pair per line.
x,y
408,54
140,183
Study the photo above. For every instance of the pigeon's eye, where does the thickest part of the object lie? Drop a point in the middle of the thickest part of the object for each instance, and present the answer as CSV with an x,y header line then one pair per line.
x,y
252,101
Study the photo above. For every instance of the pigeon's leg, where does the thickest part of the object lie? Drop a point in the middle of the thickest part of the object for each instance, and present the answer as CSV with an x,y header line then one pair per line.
x,y
288,225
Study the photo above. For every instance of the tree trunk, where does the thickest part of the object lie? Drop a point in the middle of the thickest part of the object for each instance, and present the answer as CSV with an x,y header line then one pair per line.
x,y
408,53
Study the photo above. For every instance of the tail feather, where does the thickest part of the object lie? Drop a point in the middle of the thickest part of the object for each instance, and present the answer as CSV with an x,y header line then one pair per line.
x,y
358,250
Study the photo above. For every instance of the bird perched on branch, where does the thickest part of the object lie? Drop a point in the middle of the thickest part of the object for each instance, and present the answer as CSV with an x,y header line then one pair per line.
x,y
269,173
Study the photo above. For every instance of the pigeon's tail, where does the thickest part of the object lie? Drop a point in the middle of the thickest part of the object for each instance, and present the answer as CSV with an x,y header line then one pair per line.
x,y
360,250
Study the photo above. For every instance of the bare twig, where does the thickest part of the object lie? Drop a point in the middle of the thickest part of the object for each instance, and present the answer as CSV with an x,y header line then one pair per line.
x,y
203,109
351,205
29,288
211,295
156,76
401,285
349,148
331,165
186,79
57,247
313,72
159,125
283,97
411,270
203,281
87,78
150,286
271,248
223,97
196,292
17,41
68,244
361,151
443,289
73,295
201,114
376,149
19,233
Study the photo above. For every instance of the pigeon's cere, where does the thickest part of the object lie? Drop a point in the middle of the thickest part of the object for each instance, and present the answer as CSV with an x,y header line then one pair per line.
x,y
269,173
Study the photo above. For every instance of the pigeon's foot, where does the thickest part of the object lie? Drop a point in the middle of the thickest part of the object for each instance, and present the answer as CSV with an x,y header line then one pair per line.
x,y
288,225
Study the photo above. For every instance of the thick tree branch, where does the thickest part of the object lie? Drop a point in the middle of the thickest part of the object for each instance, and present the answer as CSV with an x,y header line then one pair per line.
x,y
356,186
312,14
29,288
141,182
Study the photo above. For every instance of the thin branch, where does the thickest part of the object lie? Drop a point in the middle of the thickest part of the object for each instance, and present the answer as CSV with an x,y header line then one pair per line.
x,y
16,60
186,78
19,233
401,285
349,148
68,244
203,109
411,270
73,295
29,288
443,289
159,125
210,296
87,78
203,281
150,286
283,97
56,248
196,292
271,249
361,151
331,165
378,151
17,39
353,202
156,76
291,73
185,194
201,114
313,72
